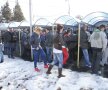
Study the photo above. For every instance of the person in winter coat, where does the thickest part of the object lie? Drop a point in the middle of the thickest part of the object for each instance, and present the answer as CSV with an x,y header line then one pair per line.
x,y
70,40
1,52
49,45
84,44
37,49
25,45
105,53
98,42
43,40
11,39
57,52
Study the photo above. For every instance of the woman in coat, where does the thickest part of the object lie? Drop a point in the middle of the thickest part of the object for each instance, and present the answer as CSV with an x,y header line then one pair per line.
x,y
58,43
37,49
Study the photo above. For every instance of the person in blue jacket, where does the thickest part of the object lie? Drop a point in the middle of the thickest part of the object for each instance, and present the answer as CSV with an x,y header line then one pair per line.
x,y
35,41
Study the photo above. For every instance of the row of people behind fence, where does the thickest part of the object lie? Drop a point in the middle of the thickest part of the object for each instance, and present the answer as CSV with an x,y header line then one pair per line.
x,y
45,40
10,38
97,40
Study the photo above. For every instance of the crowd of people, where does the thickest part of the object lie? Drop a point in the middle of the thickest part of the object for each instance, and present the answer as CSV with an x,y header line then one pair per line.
x,y
47,45
93,46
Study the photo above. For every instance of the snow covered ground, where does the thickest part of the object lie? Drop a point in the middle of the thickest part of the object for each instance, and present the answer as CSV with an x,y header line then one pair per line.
x,y
17,74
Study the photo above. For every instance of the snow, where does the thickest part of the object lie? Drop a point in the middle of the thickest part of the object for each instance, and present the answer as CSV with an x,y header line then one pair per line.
x,y
17,74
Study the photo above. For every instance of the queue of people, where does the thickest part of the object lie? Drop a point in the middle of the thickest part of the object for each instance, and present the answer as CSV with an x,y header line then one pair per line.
x,y
48,46
10,39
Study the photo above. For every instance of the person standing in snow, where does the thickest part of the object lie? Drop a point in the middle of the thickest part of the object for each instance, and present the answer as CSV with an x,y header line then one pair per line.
x,y
105,53
49,45
11,39
58,43
84,44
98,42
1,52
35,41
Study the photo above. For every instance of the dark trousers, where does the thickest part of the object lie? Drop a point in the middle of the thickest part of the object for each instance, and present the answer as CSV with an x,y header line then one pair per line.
x,y
11,50
97,56
49,53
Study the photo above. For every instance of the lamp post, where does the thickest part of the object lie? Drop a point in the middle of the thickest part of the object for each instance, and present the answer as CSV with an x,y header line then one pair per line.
x,y
68,2
30,18
69,7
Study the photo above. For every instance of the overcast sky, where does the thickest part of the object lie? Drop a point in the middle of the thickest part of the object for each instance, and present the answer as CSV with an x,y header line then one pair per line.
x,y
55,8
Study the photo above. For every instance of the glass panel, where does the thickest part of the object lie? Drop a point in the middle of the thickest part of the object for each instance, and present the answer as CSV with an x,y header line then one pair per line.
x,y
24,23
95,14
4,26
71,22
68,20
42,21
14,24
98,19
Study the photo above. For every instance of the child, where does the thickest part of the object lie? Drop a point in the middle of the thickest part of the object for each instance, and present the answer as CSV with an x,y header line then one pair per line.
x,y
1,52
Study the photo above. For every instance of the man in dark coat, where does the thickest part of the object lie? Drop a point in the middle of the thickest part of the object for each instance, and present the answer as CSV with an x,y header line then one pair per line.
x,y
11,39
84,44
49,45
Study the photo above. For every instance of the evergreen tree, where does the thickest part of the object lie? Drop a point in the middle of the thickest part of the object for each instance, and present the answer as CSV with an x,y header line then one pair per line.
x,y
6,12
18,15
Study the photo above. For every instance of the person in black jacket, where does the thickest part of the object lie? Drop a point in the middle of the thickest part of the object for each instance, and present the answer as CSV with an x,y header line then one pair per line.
x,y
11,39
84,44
71,42
25,45
49,45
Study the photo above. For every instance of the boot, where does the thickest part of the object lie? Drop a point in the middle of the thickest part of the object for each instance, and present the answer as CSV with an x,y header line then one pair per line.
x,y
60,73
49,69
37,70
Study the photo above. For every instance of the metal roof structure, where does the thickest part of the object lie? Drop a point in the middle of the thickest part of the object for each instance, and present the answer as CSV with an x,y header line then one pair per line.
x,y
42,22
66,20
95,17
4,26
13,24
24,23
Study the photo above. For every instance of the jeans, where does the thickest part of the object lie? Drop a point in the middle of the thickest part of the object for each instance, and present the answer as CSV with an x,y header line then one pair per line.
x,y
86,57
49,51
58,58
36,54
97,56
1,56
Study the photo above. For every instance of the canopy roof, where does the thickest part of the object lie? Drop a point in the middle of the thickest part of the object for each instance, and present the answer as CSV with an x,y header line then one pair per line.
x,y
42,21
66,20
4,26
24,23
95,17
13,24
